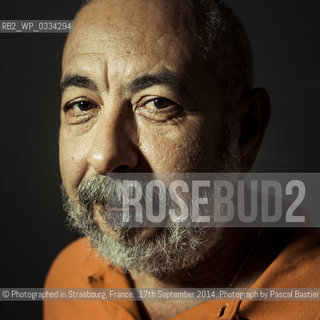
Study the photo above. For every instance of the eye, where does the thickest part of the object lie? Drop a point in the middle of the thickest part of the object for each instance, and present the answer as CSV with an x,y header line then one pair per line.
x,y
161,103
81,105
80,110
159,109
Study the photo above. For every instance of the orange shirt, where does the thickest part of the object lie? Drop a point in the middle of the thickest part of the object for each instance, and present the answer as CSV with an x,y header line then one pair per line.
x,y
297,266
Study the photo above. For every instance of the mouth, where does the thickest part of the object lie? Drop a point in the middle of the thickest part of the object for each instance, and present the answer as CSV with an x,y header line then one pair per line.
x,y
122,232
118,209
113,230
111,215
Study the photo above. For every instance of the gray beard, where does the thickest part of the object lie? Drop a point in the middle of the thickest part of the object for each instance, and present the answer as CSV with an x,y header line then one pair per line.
x,y
167,252
171,249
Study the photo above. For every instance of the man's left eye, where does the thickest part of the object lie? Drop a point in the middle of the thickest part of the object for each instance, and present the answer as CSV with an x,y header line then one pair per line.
x,y
81,105
160,103
159,109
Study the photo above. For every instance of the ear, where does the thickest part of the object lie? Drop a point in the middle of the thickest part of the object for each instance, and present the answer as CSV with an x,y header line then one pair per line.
x,y
253,118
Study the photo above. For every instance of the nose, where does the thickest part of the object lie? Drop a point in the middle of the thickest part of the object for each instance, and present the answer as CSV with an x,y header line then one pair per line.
x,y
112,148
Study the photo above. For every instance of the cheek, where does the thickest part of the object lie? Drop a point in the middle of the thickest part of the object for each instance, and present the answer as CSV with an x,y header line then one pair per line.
x,y
178,149
72,158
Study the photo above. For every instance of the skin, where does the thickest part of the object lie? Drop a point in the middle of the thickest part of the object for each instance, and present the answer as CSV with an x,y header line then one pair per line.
x,y
119,128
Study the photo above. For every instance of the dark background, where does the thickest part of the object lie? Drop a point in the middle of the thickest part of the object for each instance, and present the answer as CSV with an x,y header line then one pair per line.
x,y
286,46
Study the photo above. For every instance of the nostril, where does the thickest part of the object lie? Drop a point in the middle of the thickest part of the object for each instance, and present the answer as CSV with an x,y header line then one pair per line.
x,y
122,168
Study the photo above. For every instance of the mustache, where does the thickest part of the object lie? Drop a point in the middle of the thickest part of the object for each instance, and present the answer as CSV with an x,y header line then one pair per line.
x,y
100,190
107,192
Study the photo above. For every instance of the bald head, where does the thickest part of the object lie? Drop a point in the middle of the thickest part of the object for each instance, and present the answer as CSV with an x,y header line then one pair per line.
x,y
214,34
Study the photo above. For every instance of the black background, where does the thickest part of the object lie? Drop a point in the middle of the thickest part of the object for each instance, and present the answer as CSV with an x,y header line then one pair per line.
x,y
285,40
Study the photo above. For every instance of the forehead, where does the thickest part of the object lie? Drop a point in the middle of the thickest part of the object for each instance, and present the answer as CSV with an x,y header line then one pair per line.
x,y
149,32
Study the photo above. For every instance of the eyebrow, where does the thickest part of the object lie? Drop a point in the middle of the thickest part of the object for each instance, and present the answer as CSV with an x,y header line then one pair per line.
x,y
138,84
149,80
77,81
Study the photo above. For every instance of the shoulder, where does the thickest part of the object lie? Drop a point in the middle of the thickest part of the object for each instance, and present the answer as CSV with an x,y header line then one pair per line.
x,y
292,278
305,257
302,258
297,265
73,265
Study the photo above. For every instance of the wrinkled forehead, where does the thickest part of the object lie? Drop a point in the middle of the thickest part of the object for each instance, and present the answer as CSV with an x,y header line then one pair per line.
x,y
161,29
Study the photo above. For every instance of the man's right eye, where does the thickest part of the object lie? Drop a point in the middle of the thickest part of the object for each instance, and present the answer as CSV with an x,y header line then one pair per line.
x,y
80,111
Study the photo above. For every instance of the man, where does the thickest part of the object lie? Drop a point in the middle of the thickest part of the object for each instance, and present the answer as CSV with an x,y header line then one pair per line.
x,y
165,86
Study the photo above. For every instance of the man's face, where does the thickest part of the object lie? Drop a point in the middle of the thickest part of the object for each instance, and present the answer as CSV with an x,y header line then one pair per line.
x,y
136,97
152,108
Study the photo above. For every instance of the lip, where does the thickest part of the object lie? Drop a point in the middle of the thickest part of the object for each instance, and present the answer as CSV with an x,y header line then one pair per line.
x,y
120,209
103,211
